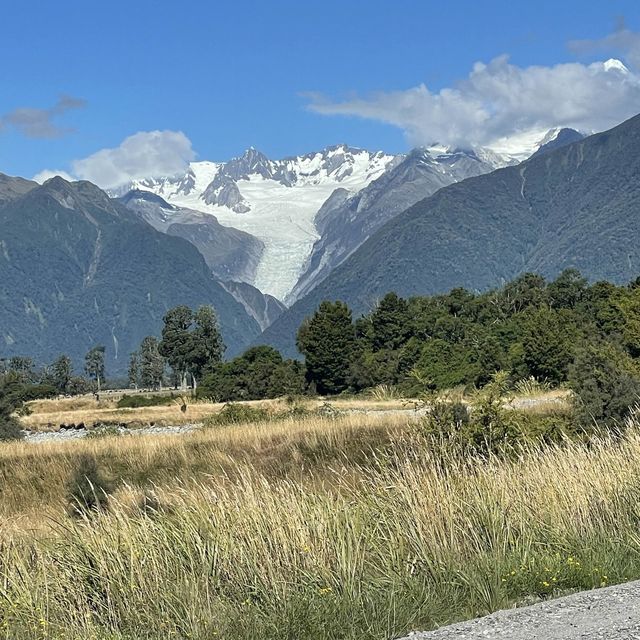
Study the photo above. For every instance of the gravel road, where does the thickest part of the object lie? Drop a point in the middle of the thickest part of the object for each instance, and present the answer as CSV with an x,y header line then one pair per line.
x,y
601,614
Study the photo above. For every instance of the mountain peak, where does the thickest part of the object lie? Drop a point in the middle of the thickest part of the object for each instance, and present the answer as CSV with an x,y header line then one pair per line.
x,y
253,155
613,64
56,182
556,138
145,196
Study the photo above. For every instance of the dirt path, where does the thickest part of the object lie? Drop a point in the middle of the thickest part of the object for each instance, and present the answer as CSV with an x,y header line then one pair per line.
x,y
610,613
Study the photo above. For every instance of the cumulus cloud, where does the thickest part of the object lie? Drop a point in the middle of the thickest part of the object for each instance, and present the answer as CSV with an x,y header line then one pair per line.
x,y
45,174
500,100
142,155
40,123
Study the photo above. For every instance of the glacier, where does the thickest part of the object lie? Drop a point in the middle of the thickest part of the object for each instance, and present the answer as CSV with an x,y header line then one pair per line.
x,y
280,200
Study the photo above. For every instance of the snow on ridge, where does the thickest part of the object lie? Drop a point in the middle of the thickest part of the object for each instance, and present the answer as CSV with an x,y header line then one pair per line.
x,y
613,64
277,200
281,200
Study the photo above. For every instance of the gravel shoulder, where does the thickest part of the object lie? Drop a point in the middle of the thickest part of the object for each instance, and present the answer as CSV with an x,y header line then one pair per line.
x,y
608,613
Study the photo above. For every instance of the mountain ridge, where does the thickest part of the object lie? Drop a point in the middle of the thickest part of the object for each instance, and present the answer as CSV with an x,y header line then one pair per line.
x,y
345,224
80,269
573,207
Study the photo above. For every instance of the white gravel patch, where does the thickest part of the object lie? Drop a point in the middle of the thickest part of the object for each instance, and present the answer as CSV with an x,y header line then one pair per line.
x,y
601,614
41,437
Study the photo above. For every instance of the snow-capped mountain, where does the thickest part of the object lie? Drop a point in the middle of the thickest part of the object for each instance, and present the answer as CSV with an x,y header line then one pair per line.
x,y
557,138
311,211
523,145
346,221
274,200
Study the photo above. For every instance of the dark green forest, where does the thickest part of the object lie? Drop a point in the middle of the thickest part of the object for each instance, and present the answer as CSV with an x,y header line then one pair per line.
x,y
564,332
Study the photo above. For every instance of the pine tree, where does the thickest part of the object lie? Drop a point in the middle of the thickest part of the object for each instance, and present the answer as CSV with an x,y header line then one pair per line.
x,y
207,345
327,340
390,323
177,342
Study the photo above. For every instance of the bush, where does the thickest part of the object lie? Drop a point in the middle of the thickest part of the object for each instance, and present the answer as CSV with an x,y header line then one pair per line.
x,y
488,426
233,413
238,413
135,402
10,429
604,385
531,386
444,417
384,392
13,394
549,428
257,374
104,431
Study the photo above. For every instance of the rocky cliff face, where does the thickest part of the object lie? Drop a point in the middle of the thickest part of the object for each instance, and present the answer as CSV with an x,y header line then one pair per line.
x,y
230,253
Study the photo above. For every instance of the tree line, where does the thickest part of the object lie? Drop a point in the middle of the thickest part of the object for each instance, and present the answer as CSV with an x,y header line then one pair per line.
x,y
564,332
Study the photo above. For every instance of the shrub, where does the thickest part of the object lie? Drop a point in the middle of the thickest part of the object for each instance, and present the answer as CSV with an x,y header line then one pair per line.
x,y
104,431
383,392
13,394
238,413
10,429
444,417
257,374
604,384
233,413
487,426
531,386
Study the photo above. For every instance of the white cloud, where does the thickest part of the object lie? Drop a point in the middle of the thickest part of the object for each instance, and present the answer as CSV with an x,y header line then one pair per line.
x,y
142,155
45,174
499,100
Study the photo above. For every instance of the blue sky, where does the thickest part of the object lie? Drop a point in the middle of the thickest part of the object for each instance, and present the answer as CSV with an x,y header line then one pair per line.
x,y
231,75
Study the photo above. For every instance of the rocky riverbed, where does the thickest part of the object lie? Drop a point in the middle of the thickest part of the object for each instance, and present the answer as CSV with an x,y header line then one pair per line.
x,y
43,437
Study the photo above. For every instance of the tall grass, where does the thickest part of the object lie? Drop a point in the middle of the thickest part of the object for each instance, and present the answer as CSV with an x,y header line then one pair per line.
x,y
368,534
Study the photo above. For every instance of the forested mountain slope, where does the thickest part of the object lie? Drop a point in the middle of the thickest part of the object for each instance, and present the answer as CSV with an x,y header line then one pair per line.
x,y
575,206
79,269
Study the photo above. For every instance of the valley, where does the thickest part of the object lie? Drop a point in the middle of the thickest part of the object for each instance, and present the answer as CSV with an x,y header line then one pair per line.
x,y
320,321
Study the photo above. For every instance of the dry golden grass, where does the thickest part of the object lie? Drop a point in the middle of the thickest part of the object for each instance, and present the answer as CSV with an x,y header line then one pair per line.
x,y
40,474
307,528
543,403
48,415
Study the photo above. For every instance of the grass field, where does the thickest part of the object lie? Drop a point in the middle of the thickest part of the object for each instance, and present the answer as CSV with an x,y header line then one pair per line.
x,y
48,415
309,528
